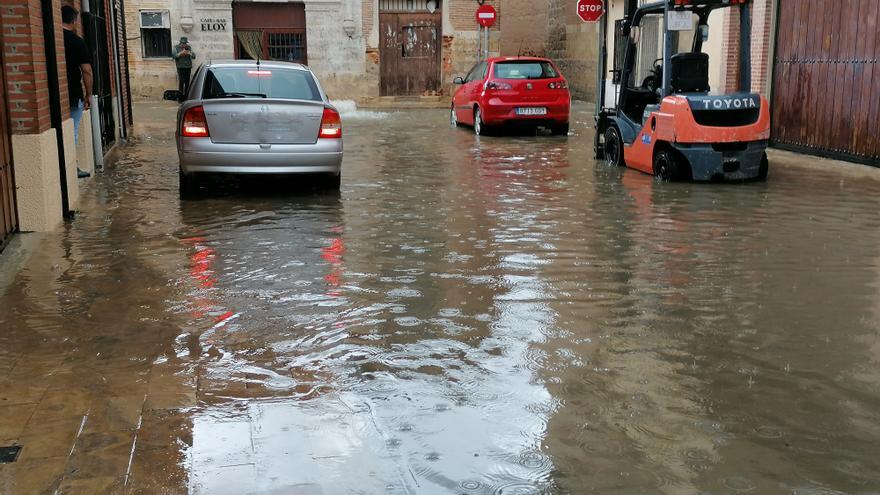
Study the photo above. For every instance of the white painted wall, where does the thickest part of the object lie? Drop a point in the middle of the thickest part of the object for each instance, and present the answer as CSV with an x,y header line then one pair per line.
x,y
714,48
37,182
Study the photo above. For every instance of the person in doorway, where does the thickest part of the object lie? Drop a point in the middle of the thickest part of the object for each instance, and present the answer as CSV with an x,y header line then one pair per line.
x,y
183,57
79,71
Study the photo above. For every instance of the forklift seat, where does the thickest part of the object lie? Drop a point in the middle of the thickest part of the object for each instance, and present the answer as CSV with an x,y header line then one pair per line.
x,y
690,72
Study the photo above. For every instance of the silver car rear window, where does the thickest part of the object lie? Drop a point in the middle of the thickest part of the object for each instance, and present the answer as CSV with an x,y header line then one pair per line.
x,y
252,82
525,70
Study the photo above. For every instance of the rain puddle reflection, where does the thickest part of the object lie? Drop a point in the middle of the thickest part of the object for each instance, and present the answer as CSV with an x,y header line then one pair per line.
x,y
468,316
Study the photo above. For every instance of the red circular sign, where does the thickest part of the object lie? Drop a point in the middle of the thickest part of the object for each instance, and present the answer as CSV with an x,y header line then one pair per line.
x,y
486,15
590,10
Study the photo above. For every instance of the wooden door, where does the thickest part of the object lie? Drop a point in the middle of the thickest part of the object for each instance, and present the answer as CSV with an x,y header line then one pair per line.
x,y
8,215
409,53
826,78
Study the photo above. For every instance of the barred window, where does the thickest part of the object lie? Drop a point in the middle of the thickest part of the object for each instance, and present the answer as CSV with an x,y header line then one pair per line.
x,y
289,47
155,33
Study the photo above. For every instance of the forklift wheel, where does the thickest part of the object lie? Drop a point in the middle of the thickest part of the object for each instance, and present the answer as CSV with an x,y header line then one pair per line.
x,y
667,167
613,147
764,167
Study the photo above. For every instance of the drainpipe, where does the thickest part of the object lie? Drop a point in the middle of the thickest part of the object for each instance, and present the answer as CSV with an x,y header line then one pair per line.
x,y
47,8
745,43
95,113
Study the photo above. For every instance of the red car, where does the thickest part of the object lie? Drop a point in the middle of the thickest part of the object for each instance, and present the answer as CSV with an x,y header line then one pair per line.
x,y
519,91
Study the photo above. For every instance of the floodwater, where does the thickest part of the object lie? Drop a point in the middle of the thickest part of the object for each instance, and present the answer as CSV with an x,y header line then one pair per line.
x,y
468,316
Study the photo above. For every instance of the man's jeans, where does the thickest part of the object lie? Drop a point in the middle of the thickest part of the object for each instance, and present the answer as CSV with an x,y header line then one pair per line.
x,y
76,113
183,81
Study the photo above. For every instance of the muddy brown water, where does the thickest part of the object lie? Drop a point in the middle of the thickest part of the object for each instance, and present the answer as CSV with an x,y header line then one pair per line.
x,y
468,316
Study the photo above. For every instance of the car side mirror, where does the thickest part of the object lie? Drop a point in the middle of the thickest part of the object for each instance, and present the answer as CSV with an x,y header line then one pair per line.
x,y
171,95
458,80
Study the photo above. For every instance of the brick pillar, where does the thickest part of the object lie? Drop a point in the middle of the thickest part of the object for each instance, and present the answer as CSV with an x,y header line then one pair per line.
x,y
730,51
34,143
26,77
761,56
367,9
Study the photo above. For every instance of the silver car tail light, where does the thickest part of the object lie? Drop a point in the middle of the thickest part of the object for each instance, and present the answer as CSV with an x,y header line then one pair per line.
x,y
195,124
331,125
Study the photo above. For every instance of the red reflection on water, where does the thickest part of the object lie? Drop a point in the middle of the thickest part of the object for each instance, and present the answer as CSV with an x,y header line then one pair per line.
x,y
202,261
333,255
671,239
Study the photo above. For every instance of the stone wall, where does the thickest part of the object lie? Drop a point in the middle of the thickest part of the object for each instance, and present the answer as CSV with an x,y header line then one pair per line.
x,y
551,28
348,66
151,76
574,45
526,27
339,60
195,19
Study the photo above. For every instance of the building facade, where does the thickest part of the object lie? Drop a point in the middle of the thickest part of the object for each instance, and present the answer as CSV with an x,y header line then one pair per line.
x,y
358,48
38,171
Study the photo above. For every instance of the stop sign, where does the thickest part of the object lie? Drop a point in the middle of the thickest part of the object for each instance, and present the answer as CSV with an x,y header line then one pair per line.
x,y
590,10
486,15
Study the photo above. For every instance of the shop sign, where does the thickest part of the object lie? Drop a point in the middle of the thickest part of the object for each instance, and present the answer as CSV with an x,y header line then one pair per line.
x,y
213,24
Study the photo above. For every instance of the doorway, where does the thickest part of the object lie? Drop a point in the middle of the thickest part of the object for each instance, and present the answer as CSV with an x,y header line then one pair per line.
x,y
409,47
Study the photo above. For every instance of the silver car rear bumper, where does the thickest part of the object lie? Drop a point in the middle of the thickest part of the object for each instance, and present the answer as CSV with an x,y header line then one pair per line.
x,y
202,155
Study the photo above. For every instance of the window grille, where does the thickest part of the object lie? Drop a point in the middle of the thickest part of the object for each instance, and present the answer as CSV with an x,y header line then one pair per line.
x,y
289,47
429,6
155,33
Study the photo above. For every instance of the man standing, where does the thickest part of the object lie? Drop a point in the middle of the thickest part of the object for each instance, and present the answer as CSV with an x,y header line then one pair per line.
x,y
79,71
183,57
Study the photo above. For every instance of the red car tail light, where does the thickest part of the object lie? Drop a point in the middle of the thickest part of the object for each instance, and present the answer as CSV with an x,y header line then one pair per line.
x,y
498,85
195,124
331,125
558,85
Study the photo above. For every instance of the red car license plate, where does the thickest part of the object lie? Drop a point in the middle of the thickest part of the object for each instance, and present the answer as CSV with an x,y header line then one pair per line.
x,y
531,111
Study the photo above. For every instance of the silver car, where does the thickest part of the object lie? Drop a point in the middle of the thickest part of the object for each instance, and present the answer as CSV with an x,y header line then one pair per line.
x,y
248,117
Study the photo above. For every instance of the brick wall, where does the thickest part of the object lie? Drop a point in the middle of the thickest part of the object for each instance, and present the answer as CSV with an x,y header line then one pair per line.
x,y
761,19
761,56
730,51
367,17
526,27
462,14
551,28
26,73
60,59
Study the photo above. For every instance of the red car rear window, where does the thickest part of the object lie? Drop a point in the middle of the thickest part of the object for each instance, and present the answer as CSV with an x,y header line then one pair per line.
x,y
525,69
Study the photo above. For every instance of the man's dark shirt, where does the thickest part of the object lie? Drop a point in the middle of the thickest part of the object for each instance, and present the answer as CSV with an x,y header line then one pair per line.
x,y
76,54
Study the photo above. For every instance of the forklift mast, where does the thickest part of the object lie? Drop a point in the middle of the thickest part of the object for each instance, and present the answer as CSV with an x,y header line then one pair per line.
x,y
633,14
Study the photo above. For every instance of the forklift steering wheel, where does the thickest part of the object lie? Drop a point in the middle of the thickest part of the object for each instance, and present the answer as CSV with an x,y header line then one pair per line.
x,y
653,81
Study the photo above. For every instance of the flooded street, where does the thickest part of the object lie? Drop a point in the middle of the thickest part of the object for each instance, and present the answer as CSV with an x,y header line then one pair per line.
x,y
499,315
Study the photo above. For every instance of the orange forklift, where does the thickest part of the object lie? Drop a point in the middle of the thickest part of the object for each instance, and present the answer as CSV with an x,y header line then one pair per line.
x,y
664,120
